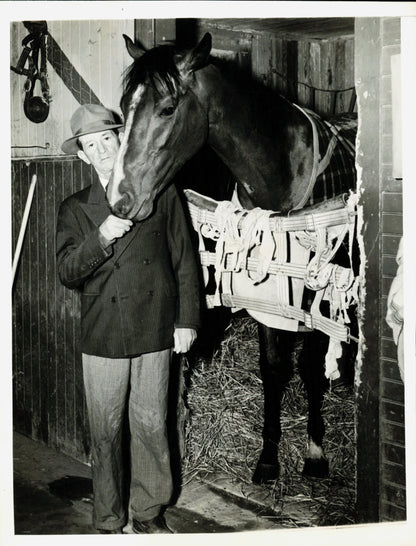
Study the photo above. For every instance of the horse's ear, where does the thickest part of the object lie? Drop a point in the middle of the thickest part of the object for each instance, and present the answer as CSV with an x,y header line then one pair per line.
x,y
136,49
198,57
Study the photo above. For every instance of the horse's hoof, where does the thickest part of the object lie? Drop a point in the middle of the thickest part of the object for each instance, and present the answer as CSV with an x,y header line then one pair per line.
x,y
265,473
316,468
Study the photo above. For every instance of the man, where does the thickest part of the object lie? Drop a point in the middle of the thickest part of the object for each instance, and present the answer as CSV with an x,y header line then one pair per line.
x,y
139,299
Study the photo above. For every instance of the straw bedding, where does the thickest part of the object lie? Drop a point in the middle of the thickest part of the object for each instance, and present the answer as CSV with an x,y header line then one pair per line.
x,y
223,433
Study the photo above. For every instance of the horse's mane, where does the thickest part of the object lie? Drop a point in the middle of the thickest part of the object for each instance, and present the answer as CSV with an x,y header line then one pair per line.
x,y
158,65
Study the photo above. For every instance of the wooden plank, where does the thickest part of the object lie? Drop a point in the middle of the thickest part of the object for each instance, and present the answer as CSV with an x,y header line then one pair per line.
x,y
82,439
368,426
33,302
43,217
18,368
68,338
292,70
144,32
51,324
339,75
26,322
61,295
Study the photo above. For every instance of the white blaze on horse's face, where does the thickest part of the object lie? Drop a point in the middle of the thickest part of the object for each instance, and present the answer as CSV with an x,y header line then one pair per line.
x,y
114,194
161,133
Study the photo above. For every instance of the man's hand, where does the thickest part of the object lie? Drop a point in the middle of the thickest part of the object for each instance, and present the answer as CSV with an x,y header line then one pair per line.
x,y
183,338
113,228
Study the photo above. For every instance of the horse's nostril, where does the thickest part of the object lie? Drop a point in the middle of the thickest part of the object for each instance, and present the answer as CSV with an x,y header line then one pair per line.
x,y
123,206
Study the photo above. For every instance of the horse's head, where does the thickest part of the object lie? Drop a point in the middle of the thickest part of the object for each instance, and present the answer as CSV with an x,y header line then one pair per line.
x,y
166,123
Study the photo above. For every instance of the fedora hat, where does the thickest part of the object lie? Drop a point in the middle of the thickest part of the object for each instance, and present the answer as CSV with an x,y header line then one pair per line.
x,y
87,119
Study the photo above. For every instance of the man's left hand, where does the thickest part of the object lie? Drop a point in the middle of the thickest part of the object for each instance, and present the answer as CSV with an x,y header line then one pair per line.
x,y
183,339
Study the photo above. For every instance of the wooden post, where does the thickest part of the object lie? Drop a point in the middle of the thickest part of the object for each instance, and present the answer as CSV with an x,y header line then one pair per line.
x,y
152,32
367,63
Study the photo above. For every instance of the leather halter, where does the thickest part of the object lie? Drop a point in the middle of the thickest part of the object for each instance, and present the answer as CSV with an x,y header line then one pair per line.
x,y
34,46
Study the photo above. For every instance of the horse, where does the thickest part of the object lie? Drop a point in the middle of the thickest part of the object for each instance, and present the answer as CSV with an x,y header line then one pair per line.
x,y
174,103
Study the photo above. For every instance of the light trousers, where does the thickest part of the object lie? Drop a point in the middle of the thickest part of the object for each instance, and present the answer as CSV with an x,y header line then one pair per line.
x,y
140,386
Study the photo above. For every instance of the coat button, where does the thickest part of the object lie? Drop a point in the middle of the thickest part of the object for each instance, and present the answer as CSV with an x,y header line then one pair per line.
x,y
150,293
156,233
117,265
146,261
113,299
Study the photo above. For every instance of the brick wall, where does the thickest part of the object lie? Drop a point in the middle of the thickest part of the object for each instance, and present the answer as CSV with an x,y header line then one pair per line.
x,y
392,432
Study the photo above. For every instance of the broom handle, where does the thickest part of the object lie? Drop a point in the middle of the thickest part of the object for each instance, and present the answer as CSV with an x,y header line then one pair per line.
x,y
23,226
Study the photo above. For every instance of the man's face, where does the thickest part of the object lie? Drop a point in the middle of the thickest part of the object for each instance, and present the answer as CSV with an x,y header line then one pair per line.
x,y
100,150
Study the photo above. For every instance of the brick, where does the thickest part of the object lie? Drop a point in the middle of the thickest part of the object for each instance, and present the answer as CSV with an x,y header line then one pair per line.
x,y
389,266
392,202
386,120
394,432
392,390
391,512
390,369
390,31
385,90
386,54
393,453
394,473
392,223
388,348
394,494
387,148
392,412
390,243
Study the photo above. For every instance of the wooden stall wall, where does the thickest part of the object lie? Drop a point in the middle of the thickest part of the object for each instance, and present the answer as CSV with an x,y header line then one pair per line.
x,y
85,63
381,480
86,60
294,67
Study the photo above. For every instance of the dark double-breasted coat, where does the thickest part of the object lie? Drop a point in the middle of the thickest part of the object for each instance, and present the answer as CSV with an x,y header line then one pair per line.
x,y
136,291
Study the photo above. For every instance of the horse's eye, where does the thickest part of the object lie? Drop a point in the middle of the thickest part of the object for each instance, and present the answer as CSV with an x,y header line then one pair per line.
x,y
167,112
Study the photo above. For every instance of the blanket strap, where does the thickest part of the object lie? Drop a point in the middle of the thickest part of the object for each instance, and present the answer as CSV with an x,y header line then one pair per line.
x,y
319,164
340,332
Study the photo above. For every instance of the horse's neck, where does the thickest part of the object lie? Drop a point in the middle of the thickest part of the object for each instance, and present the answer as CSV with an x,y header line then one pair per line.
x,y
255,149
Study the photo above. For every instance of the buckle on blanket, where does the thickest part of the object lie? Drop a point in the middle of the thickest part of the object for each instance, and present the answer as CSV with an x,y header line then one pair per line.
x,y
308,320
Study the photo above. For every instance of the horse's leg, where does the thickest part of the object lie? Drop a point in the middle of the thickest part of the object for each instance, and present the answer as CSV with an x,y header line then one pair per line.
x,y
311,367
276,368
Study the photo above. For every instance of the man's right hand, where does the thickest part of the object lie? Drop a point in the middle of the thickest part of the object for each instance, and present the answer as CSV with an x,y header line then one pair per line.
x,y
113,228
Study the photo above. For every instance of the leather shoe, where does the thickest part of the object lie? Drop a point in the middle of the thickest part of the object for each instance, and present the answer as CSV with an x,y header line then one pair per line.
x,y
156,525
118,531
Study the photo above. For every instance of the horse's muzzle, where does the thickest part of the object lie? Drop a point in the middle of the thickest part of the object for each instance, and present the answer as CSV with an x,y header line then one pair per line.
x,y
123,206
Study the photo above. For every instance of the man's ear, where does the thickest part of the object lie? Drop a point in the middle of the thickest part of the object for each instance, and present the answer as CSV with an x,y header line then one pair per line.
x,y
120,136
82,155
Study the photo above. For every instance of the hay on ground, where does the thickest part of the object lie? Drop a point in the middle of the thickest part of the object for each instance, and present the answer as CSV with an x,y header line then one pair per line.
x,y
223,433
